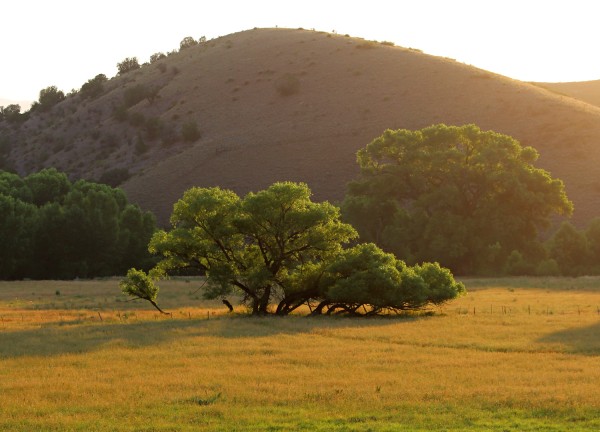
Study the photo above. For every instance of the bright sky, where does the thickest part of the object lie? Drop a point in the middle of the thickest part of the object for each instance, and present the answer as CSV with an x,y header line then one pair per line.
x,y
65,43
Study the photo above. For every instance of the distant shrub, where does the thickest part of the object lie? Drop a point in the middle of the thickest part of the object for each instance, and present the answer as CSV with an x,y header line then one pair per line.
x,y
114,177
366,45
187,42
94,87
287,85
516,265
120,113
152,94
152,127
127,65
156,57
388,43
140,145
190,131
11,113
548,267
134,95
49,97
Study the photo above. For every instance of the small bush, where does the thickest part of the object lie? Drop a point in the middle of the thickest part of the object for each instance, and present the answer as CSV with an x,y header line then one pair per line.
x,y
94,87
548,267
114,177
120,113
49,97
134,95
128,65
366,45
190,131
140,145
153,126
156,57
287,85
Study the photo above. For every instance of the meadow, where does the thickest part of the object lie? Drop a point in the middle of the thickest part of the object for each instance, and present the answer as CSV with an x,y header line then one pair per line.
x,y
515,354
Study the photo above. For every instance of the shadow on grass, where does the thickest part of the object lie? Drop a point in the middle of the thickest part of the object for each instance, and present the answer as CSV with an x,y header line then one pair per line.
x,y
583,340
58,338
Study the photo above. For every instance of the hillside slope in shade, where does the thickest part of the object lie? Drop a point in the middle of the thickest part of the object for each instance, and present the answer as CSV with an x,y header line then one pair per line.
x,y
281,104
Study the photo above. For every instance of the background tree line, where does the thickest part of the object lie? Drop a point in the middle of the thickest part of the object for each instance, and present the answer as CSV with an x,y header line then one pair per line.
x,y
52,228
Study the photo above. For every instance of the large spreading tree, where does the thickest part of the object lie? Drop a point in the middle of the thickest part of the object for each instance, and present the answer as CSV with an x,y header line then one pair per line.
x,y
279,250
458,195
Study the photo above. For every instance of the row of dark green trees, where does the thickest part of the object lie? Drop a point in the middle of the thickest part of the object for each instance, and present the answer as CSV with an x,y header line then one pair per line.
x,y
52,228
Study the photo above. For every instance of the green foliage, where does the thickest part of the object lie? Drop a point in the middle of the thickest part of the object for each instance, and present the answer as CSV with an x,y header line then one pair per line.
x,y
156,57
11,113
153,127
138,284
459,195
133,95
48,185
190,131
94,87
127,65
366,276
114,177
49,97
120,113
516,265
277,244
569,247
16,220
59,229
187,42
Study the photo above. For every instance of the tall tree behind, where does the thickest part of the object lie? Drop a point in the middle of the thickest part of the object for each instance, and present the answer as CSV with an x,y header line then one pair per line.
x,y
461,196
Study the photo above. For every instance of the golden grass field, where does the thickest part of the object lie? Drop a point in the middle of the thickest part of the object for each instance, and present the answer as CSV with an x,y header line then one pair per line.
x,y
513,355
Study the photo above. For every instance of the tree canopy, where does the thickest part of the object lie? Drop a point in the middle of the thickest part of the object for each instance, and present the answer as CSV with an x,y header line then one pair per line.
x,y
49,97
459,195
278,248
52,228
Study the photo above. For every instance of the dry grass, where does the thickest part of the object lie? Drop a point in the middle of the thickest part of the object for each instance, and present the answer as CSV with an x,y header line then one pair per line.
x,y
515,354
587,91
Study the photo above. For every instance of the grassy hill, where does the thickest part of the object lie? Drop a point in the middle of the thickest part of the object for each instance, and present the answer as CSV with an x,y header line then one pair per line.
x,y
283,104
587,91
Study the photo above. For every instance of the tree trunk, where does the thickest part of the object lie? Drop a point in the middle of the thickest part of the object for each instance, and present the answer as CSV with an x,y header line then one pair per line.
x,y
263,303
158,308
319,309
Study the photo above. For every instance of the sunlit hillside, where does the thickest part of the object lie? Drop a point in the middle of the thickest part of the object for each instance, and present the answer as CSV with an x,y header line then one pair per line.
x,y
283,104
587,91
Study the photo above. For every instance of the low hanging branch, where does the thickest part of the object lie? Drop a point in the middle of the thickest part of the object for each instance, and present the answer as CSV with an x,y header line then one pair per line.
x,y
138,284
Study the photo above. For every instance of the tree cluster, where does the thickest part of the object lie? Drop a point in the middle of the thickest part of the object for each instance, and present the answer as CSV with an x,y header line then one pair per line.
x,y
279,251
11,113
52,228
461,196
568,252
